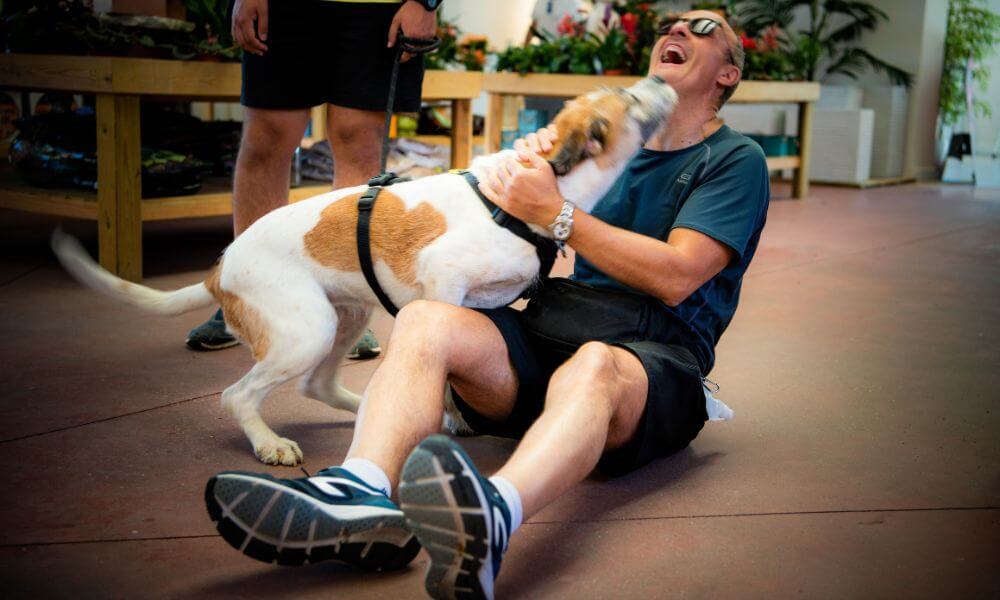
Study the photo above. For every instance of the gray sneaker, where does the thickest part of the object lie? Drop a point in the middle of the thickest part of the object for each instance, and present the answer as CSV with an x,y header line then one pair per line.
x,y
367,347
211,335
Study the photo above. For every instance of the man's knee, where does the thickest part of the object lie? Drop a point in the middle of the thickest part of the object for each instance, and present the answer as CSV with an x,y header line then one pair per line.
x,y
425,325
594,366
271,136
596,361
357,131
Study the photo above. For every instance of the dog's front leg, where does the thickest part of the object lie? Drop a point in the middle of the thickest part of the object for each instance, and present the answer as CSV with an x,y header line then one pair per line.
x,y
442,287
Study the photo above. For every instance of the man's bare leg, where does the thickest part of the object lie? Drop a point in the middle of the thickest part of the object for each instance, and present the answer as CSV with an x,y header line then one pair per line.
x,y
263,166
431,343
260,185
593,404
356,141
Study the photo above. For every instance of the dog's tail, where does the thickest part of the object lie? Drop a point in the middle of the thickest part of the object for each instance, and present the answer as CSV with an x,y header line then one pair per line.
x,y
77,261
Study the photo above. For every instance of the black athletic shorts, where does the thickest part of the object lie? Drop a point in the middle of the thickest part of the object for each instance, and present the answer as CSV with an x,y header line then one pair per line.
x,y
335,52
675,401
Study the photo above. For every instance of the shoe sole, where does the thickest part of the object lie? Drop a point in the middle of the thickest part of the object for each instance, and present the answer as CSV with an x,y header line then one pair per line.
x,y
365,355
204,346
273,523
443,502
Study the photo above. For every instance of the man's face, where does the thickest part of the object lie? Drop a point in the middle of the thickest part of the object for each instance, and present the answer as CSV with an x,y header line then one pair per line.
x,y
694,64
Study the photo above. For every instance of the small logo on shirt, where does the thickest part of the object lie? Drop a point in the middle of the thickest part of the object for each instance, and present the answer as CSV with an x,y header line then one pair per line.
x,y
684,178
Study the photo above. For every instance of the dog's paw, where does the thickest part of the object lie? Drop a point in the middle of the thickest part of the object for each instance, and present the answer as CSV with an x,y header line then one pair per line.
x,y
282,452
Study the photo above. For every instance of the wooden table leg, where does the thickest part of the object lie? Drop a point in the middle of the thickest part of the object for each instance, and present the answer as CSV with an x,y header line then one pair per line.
x,y
800,186
119,185
461,133
494,122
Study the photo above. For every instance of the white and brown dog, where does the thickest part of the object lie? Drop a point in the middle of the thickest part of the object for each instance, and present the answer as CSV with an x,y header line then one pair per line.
x,y
291,285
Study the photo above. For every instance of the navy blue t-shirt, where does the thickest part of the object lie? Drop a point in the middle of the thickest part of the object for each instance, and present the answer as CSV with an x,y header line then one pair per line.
x,y
718,187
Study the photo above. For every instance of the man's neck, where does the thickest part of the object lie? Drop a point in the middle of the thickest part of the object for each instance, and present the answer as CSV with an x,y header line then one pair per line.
x,y
689,124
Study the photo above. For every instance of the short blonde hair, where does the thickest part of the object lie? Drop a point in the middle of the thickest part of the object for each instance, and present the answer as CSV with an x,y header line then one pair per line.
x,y
739,60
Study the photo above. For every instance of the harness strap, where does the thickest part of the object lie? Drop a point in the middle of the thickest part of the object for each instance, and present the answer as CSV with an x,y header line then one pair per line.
x,y
366,204
544,247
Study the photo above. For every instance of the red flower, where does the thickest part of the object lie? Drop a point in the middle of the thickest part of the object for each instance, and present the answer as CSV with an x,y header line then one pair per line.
x,y
770,37
565,26
749,43
629,23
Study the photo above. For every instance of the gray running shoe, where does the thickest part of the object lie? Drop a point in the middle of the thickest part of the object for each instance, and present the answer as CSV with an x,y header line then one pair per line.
x,y
211,335
367,347
333,515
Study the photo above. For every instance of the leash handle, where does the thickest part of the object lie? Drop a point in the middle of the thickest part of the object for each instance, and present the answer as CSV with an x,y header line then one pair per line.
x,y
403,44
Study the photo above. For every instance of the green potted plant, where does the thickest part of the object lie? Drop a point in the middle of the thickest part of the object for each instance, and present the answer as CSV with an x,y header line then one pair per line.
x,y
613,52
973,34
830,38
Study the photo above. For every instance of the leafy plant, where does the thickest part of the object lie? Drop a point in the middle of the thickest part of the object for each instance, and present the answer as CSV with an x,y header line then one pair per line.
x,y
613,51
573,50
765,59
973,31
468,52
830,37
71,27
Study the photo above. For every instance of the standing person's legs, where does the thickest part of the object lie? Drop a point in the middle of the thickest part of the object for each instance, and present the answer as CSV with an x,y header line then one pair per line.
x,y
260,185
356,142
264,162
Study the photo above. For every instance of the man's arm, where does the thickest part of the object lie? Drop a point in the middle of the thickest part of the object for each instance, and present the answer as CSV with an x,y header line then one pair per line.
x,y
669,270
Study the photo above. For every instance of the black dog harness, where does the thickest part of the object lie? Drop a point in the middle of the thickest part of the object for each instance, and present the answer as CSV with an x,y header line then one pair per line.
x,y
544,247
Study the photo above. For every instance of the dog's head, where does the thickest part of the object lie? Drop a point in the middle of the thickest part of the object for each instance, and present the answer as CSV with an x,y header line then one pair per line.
x,y
609,125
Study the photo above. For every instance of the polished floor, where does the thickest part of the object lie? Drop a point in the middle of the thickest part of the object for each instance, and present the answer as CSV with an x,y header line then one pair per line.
x,y
863,461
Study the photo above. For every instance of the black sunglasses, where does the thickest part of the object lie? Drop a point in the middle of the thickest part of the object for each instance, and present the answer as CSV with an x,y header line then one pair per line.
x,y
700,26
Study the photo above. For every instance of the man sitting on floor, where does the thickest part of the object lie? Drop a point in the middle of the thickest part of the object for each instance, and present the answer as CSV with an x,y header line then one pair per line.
x,y
604,370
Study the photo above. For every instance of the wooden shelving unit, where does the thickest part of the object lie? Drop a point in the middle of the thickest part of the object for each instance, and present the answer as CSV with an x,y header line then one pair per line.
x,y
804,93
118,84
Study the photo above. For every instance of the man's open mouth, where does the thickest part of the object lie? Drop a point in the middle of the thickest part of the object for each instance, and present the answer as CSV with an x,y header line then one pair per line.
x,y
673,54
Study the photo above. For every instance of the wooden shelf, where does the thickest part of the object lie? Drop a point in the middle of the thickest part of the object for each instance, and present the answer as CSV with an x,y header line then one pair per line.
x,y
803,93
119,85
214,199
776,163
441,140
197,80
558,85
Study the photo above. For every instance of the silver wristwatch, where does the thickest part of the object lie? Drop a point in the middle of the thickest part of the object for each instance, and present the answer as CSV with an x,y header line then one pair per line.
x,y
562,226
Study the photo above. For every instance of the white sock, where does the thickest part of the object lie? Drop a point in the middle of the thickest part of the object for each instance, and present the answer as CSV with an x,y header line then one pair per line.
x,y
369,472
513,499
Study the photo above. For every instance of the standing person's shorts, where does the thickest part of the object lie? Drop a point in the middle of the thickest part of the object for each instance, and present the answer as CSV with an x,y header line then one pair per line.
x,y
322,51
556,323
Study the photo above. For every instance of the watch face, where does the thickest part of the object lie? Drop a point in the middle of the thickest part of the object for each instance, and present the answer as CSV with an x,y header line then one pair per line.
x,y
560,231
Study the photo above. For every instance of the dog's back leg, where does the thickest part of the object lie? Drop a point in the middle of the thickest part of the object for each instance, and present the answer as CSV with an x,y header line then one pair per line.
x,y
288,344
321,384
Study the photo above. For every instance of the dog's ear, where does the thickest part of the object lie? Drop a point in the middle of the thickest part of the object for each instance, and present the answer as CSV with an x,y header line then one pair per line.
x,y
597,135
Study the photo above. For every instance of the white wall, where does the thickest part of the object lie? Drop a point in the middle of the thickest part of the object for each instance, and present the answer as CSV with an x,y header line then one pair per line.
x,y
504,22
988,129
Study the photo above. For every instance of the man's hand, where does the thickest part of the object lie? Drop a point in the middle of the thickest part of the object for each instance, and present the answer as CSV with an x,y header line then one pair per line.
x,y
526,187
245,14
415,21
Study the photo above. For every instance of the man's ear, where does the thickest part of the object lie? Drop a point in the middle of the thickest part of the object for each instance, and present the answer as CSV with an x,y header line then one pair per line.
x,y
729,76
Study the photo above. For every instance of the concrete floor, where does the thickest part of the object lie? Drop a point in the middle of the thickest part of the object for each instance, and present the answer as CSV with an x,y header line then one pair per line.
x,y
864,459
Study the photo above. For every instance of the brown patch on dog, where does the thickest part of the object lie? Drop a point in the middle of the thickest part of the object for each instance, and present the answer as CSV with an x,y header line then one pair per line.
x,y
241,318
584,120
397,235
